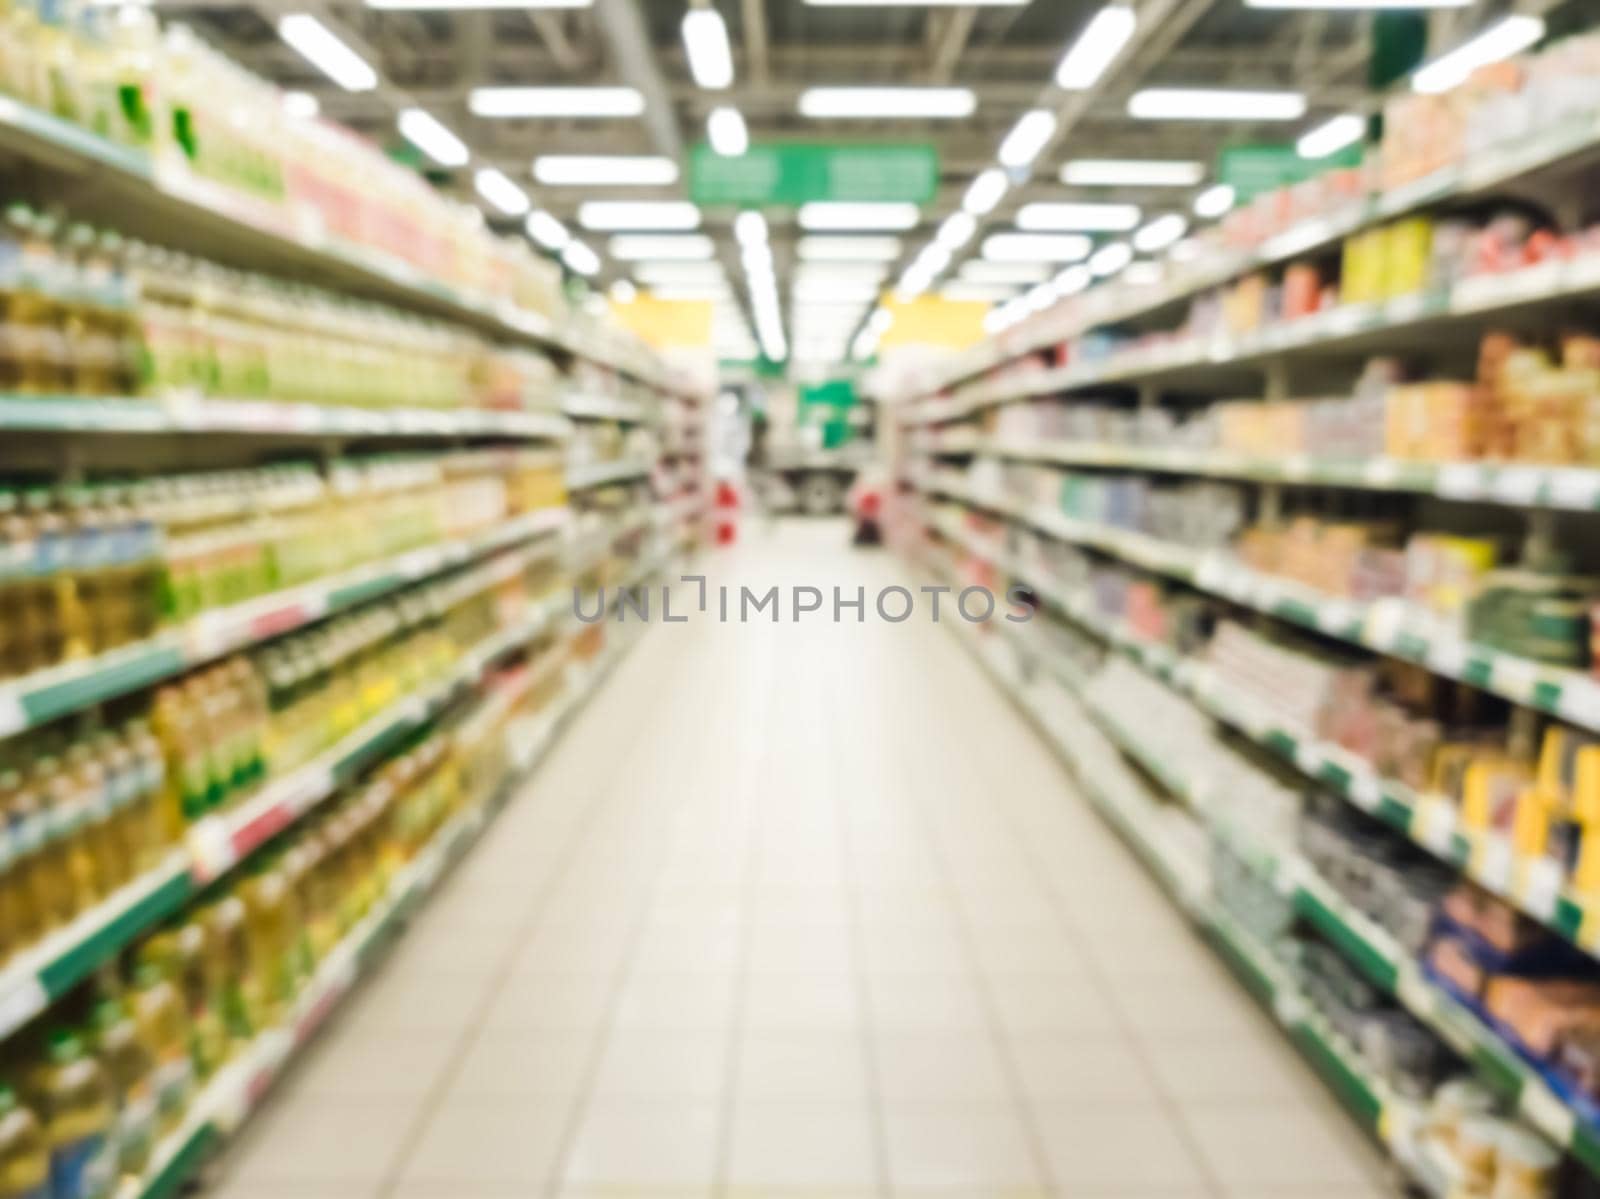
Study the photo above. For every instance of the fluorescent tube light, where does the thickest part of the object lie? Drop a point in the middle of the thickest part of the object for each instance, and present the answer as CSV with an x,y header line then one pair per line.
x,y
1036,247
610,216
1160,233
1215,104
1355,5
598,170
1110,259
470,5
555,102
423,130
976,293
702,292
833,291
581,258
1020,274
301,104
1507,36
705,41
851,103
1142,274
849,249
1027,139
1051,217
624,292
1097,48
498,189
546,230
933,259
852,272
956,230
985,191
750,228
1214,201
687,247
833,214
1073,280
1332,135
1132,172
672,273
320,47
725,130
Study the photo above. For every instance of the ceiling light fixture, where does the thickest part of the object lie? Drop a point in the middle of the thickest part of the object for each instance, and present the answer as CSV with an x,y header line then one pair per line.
x,y
1332,136
1160,233
834,214
1215,104
596,170
1110,259
848,249
611,216
524,102
1214,201
671,274
498,189
470,5
1355,5
1049,217
985,191
868,103
978,270
323,49
705,41
1097,47
301,104
423,130
956,230
546,230
581,258
726,131
750,228
1027,139
1073,280
623,292
1507,36
1132,172
963,292
1036,247
686,247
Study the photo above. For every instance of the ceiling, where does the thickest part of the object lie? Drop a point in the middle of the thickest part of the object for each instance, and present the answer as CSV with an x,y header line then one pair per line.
x,y
1005,53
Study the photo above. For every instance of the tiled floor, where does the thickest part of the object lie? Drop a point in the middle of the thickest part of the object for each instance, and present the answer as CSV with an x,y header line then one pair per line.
x,y
800,910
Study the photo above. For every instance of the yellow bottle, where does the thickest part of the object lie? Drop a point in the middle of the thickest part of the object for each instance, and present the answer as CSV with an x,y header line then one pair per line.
x,y
131,1070
164,1028
24,1156
74,1101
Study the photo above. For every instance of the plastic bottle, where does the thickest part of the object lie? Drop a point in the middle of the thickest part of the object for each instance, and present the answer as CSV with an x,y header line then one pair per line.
x,y
163,1026
67,873
24,882
131,1069
24,1156
75,1103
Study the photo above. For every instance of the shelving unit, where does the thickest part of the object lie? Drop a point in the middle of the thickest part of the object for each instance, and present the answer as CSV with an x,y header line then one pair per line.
x,y
964,525
65,439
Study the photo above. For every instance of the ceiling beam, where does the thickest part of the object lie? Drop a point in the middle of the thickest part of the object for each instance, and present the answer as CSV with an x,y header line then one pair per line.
x,y
951,41
753,15
547,25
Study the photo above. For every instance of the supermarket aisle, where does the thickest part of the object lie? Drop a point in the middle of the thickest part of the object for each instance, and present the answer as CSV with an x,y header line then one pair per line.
x,y
801,910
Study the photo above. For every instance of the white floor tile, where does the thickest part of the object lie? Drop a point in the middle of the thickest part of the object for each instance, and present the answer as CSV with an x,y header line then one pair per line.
x,y
821,1146
645,1143
959,1146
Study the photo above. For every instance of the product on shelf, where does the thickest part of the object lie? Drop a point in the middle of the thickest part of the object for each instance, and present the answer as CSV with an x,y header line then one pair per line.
x,y
84,570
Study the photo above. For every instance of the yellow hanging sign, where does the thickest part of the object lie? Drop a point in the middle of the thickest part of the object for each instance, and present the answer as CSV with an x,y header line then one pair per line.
x,y
934,321
666,324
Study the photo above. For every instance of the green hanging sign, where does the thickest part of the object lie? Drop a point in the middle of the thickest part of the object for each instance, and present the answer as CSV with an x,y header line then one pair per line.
x,y
1251,170
789,174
